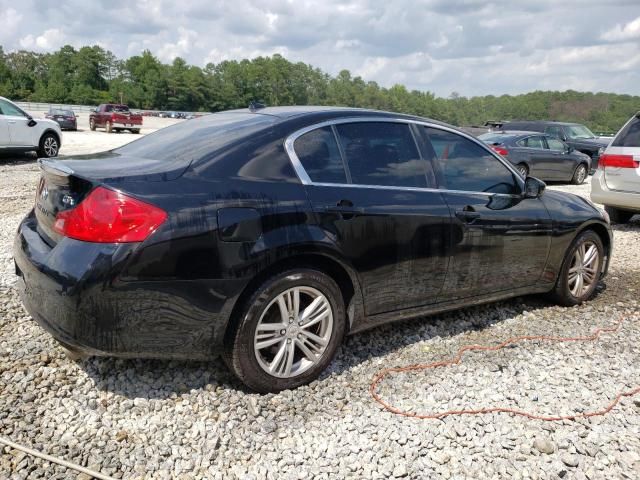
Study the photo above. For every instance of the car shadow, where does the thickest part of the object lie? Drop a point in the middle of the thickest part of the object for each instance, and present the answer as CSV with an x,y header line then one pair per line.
x,y
17,158
141,378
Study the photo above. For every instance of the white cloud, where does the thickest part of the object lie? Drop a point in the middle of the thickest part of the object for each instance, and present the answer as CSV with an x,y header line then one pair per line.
x,y
627,32
470,46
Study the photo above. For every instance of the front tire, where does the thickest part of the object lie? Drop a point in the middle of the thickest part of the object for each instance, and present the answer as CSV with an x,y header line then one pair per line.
x,y
288,331
579,175
581,270
49,146
618,216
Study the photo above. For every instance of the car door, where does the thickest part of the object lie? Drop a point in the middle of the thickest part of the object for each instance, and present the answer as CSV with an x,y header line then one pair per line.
x,y
505,238
534,149
563,164
369,188
20,133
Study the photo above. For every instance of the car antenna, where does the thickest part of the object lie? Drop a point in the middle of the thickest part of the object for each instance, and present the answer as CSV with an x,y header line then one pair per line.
x,y
253,105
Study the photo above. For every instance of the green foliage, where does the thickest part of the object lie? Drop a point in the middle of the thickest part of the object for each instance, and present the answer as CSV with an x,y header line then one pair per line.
x,y
93,75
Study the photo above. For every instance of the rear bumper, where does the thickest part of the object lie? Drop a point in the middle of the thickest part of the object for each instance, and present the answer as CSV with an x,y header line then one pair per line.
x,y
124,124
73,292
600,193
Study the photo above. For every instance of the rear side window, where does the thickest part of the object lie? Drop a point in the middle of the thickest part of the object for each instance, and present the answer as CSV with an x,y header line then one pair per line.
x,y
554,131
629,136
464,165
382,153
319,154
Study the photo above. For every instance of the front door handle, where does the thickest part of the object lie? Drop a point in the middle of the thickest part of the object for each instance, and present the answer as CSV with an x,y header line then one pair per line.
x,y
467,214
344,207
11,121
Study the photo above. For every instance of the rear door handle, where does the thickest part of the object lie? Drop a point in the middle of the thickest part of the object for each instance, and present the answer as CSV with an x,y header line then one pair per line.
x,y
11,121
467,215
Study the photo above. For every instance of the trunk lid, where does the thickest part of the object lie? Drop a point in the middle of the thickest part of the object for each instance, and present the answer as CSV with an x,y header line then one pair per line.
x,y
64,183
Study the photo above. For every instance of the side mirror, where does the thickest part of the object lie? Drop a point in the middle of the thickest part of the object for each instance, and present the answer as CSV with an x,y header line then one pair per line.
x,y
569,149
31,122
533,187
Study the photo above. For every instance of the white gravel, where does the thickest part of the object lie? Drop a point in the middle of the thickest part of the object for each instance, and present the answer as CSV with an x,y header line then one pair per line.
x,y
163,419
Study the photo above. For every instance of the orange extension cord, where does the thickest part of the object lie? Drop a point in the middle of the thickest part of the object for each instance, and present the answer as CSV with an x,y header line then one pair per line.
x,y
468,348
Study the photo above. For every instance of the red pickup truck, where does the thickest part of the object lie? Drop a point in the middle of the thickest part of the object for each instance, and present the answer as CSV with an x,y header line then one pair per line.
x,y
115,117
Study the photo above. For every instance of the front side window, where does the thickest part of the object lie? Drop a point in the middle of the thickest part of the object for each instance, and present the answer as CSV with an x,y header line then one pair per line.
x,y
556,145
382,153
319,154
7,108
466,166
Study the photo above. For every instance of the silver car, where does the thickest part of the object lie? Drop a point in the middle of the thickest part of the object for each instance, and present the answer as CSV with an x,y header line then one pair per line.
x,y
616,183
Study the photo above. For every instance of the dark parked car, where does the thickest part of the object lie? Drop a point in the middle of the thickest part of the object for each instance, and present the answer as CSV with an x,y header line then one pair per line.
x,y
573,134
540,155
65,118
267,235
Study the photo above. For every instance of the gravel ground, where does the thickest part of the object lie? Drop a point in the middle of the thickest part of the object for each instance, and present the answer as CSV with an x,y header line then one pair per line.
x,y
164,419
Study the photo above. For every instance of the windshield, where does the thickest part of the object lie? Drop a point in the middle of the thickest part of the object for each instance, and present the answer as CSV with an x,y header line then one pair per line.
x,y
579,131
188,141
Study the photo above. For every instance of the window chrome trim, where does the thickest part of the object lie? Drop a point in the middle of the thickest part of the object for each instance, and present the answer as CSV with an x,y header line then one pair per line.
x,y
306,180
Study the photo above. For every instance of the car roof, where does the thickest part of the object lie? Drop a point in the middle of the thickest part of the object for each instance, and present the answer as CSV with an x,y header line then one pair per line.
x,y
310,111
539,122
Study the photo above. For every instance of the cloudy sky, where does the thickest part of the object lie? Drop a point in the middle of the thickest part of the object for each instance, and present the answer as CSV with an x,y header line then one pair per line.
x,y
473,47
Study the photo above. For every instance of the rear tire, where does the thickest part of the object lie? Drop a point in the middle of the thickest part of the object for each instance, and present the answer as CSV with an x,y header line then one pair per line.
x,y
292,354
109,127
92,125
581,270
618,216
49,146
579,175
135,131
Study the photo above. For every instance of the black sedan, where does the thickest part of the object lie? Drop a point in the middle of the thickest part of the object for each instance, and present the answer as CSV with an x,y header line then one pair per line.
x,y
540,155
65,118
266,235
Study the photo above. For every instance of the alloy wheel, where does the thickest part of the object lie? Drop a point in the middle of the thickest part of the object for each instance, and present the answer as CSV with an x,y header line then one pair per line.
x,y
581,174
50,146
293,332
583,272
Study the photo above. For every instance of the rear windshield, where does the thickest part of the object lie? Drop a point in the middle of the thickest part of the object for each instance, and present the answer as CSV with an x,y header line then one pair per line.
x,y
120,108
191,141
62,112
629,136
494,137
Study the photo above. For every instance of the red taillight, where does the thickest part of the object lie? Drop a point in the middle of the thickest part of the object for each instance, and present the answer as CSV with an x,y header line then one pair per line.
x,y
620,161
107,216
501,150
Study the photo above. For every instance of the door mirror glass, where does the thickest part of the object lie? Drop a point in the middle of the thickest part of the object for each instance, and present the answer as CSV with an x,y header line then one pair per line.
x,y
533,187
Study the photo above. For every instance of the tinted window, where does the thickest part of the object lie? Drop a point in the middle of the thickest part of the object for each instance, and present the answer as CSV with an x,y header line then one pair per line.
x,y
495,137
382,153
629,136
535,142
319,154
464,165
555,145
187,141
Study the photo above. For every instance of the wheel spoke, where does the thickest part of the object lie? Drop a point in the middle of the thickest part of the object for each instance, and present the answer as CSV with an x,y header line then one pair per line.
x,y
305,350
313,339
270,327
279,359
591,256
315,312
269,341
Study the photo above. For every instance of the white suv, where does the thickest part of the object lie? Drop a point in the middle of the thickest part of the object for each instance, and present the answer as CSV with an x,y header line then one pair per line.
x,y
19,132
616,183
